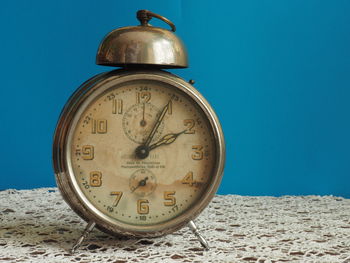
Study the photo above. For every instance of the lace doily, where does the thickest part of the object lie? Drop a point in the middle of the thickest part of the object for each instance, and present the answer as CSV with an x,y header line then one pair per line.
x,y
37,226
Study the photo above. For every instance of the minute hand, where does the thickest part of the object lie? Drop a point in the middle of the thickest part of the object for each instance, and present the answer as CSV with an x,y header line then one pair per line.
x,y
158,122
167,139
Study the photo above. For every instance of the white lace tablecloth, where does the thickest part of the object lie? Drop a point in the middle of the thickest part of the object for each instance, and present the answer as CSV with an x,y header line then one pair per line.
x,y
37,226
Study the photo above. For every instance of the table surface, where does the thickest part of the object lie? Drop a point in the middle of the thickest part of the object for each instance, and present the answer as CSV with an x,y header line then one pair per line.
x,y
37,226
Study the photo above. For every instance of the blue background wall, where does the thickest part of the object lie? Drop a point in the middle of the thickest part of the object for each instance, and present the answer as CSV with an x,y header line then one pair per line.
x,y
277,73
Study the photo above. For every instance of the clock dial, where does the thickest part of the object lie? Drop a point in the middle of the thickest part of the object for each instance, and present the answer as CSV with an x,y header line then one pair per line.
x,y
143,152
138,121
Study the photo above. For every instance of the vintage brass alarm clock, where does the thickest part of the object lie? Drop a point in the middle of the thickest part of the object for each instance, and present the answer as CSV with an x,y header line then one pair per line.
x,y
138,151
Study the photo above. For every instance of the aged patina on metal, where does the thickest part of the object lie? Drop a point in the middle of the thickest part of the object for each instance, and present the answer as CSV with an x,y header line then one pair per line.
x,y
141,51
143,45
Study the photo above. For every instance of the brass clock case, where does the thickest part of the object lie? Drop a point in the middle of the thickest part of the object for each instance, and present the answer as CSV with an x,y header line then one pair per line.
x,y
65,177
143,45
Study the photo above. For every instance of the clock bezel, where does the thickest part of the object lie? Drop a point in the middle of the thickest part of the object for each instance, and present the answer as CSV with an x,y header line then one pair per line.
x,y
68,187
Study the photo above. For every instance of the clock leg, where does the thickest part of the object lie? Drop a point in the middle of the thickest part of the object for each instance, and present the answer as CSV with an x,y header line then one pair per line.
x,y
195,231
90,226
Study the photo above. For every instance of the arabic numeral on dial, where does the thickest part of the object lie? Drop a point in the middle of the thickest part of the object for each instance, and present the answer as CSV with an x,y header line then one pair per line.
x,y
175,97
87,152
170,198
86,185
143,97
170,108
117,106
175,208
99,126
95,179
110,209
143,218
77,152
87,120
118,196
142,206
141,88
197,152
110,96
188,179
189,123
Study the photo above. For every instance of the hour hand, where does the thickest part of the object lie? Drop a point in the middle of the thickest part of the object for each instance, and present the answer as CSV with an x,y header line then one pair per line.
x,y
167,139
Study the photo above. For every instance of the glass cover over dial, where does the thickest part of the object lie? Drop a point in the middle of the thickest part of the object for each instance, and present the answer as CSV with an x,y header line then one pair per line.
x,y
142,152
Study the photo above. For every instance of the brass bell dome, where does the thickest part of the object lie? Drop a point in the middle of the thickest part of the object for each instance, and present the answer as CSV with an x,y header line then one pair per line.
x,y
143,45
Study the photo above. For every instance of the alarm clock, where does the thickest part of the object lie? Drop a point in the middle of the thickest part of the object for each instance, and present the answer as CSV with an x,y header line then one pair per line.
x,y
138,151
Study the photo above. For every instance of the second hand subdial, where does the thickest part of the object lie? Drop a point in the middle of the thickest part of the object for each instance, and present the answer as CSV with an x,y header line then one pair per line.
x,y
139,120
142,182
143,122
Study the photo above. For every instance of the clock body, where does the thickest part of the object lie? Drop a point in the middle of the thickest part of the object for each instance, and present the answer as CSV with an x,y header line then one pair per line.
x,y
96,152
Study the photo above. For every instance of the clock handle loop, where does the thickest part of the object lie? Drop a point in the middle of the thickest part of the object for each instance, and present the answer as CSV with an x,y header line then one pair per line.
x,y
144,16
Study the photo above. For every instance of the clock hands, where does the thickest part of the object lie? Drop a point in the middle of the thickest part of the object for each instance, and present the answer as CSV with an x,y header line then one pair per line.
x,y
167,139
157,124
143,122
142,151
141,183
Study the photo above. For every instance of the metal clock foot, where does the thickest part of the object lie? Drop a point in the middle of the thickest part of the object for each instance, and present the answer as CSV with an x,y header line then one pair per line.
x,y
90,226
195,231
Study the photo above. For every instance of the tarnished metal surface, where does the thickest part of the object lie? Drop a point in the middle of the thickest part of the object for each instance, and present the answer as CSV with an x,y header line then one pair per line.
x,y
143,45
62,161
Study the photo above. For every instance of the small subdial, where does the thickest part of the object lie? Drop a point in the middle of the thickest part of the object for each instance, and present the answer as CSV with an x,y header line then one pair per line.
x,y
142,182
139,120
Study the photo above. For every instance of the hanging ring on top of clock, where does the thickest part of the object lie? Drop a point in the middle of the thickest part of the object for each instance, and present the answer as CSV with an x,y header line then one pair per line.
x,y
144,16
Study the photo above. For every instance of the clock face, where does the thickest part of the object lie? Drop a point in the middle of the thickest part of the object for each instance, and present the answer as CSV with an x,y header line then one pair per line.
x,y
142,152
